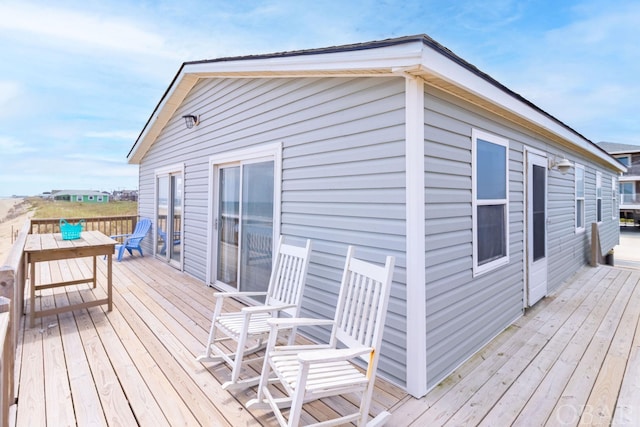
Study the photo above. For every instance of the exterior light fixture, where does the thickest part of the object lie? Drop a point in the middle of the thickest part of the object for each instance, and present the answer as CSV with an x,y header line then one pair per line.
x,y
191,120
563,165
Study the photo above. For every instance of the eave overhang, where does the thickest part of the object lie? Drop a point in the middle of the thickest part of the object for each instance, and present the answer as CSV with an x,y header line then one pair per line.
x,y
413,56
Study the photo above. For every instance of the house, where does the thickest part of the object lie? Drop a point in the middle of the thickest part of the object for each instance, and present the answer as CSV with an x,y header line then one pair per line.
x,y
125,195
87,196
398,147
629,156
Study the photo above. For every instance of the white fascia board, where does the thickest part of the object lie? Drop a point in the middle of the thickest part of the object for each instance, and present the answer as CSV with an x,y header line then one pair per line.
x,y
176,93
366,62
436,63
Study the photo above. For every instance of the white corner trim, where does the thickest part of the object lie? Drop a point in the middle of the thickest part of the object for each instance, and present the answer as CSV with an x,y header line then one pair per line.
x,y
415,235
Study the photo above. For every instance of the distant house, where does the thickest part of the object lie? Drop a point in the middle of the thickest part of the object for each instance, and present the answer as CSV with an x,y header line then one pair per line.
x,y
628,155
398,147
80,196
125,195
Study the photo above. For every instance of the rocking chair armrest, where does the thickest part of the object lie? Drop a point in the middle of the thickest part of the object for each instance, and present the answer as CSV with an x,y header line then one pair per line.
x,y
238,294
265,308
292,322
332,355
120,235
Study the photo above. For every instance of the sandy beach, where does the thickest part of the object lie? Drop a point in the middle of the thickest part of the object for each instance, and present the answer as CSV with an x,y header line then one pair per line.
x,y
13,214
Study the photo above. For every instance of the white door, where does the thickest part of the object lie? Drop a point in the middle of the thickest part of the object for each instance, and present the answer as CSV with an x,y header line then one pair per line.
x,y
536,228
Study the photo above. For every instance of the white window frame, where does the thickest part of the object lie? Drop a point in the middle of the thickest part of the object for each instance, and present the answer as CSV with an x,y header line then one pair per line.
x,y
491,265
614,197
598,197
579,229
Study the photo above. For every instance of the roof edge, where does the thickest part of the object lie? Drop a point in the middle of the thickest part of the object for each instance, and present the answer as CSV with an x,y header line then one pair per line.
x,y
409,58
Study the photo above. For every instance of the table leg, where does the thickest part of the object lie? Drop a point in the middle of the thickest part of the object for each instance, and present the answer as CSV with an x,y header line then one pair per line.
x,y
109,281
95,282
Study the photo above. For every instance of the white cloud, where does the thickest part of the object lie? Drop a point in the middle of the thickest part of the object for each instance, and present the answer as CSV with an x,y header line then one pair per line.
x,y
584,72
10,146
129,135
10,93
81,29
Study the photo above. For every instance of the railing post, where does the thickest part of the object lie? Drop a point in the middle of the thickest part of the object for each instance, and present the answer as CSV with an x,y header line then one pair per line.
x,y
595,245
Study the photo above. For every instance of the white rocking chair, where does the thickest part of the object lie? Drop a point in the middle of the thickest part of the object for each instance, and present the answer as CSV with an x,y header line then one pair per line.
x,y
310,372
284,294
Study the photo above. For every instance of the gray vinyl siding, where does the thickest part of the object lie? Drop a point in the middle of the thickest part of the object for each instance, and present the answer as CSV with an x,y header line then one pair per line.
x,y
343,176
344,183
570,249
610,227
465,312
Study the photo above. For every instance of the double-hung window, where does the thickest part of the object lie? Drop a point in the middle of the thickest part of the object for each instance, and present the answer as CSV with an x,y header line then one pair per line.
x,y
490,188
579,178
598,196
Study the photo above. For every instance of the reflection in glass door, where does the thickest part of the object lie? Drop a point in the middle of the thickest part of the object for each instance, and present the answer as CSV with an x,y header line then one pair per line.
x,y
174,228
245,225
228,224
162,209
169,217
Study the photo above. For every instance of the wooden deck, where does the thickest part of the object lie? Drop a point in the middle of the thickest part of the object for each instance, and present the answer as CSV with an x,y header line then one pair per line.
x,y
136,364
574,358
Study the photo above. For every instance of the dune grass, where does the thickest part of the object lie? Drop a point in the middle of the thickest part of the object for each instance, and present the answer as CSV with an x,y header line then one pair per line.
x,y
59,209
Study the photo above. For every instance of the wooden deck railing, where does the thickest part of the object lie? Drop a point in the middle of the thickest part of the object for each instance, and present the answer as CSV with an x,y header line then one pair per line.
x,y
12,286
12,279
109,225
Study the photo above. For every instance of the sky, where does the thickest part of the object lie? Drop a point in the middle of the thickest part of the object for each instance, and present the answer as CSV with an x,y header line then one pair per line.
x,y
79,79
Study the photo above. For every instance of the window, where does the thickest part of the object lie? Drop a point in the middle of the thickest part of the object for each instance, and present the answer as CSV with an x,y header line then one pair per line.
x,y
579,177
490,203
598,196
614,198
626,192
625,160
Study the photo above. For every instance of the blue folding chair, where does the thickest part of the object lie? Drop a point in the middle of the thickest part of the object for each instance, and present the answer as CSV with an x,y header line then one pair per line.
x,y
163,236
133,240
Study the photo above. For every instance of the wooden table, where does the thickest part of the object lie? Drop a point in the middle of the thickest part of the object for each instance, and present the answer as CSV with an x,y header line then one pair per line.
x,y
51,247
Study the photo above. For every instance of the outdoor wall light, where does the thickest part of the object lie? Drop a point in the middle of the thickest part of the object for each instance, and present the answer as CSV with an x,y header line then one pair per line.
x,y
190,120
563,165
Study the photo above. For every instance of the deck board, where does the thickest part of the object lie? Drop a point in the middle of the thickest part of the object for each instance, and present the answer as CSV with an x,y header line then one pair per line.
x,y
576,349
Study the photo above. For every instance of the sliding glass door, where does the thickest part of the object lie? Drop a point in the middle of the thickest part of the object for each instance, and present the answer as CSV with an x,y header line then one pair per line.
x,y
244,222
169,217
